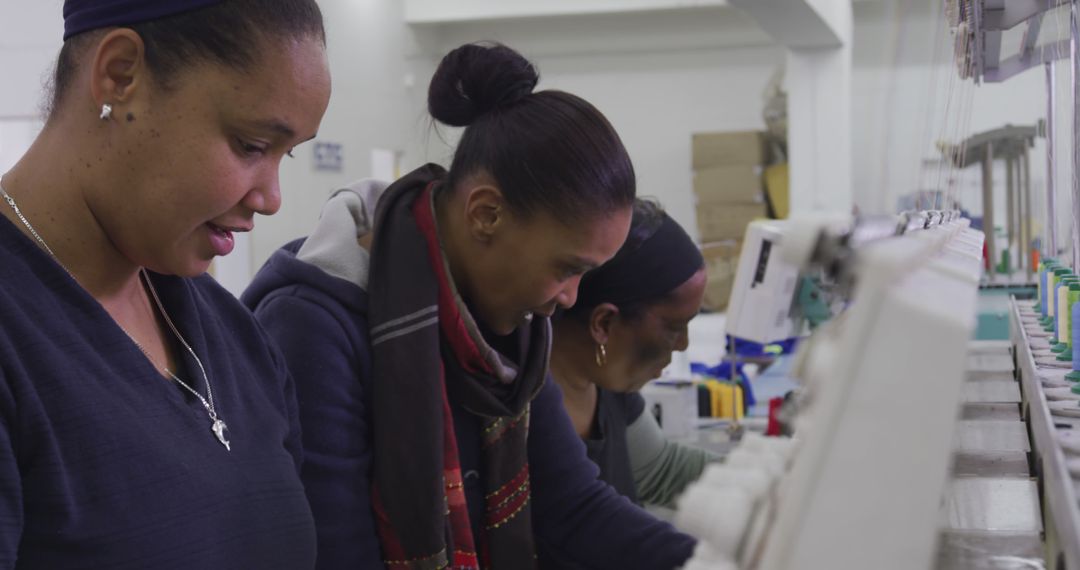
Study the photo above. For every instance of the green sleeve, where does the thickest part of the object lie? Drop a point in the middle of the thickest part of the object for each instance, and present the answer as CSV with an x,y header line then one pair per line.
x,y
662,469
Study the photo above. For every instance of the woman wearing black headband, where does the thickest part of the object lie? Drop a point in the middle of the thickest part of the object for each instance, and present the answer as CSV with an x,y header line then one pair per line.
x,y
145,422
631,314
433,434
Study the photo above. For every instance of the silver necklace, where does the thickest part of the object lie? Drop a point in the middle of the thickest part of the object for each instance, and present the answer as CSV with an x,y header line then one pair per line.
x,y
217,425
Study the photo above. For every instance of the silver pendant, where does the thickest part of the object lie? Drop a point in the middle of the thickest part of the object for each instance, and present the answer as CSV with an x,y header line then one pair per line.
x,y
219,428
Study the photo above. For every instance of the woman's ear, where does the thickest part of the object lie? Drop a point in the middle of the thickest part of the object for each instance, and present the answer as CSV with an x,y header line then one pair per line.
x,y
485,211
118,68
601,320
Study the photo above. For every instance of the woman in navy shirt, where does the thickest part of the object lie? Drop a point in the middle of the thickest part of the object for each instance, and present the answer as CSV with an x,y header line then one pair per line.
x,y
144,420
418,335
631,315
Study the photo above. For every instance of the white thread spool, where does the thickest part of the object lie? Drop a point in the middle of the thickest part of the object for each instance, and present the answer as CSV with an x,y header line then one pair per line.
x,y
717,515
706,558
754,480
779,446
773,463
785,446
695,564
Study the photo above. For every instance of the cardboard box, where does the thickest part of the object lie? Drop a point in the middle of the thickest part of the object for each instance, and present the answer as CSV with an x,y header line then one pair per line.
x,y
721,262
718,222
725,149
736,183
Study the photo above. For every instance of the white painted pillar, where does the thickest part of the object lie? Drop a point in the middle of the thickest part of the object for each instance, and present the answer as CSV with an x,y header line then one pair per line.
x,y
819,129
818,35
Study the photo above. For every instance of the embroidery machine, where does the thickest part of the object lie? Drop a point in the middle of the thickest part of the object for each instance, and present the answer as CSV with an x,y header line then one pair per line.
x,y
890,385
816,501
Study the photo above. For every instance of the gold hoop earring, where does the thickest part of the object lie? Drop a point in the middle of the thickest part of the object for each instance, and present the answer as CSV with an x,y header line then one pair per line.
x,y
601,355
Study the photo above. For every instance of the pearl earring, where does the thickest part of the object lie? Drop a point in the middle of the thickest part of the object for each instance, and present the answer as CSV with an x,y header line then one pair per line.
x,y
106,111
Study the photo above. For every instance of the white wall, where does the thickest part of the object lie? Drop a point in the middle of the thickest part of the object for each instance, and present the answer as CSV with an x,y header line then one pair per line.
x,y
433,11
658,75
908,96
31,33
30,38
661,76
372,106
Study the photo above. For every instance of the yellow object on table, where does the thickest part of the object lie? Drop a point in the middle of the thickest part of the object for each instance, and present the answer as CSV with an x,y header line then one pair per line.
x,y
725,399
777,188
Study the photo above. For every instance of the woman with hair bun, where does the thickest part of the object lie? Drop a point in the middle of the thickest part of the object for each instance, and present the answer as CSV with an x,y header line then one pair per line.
x,y
418,333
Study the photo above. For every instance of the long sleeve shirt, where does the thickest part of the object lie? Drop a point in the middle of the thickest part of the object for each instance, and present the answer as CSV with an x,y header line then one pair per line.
x,y
104,463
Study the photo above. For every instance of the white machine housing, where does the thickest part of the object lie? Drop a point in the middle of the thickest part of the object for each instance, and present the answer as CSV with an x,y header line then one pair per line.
x,y
862,486
764,289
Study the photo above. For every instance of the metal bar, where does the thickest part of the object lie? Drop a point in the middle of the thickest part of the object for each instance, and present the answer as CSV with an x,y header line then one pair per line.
x,y
1074,44
991,51
1017,255
1016,64
1010,207
1020,213
1018,195
1006,15
1050,248
988,208
1025,190
977,17
1061,515
1025,211
1031,34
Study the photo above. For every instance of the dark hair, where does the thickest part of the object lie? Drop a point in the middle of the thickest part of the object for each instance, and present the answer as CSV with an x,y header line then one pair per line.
x,y
548,151
648,215
227,34
647,219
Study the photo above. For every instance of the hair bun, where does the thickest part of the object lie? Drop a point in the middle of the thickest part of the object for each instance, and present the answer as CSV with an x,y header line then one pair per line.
x,y
476,79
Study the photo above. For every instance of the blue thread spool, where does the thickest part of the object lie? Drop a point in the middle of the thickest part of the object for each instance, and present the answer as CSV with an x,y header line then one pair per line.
x,y
1042,291
1075,374
1057,315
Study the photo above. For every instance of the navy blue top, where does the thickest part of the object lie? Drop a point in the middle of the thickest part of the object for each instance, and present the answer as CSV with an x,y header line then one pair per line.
x,y
105,464
320,324
607,445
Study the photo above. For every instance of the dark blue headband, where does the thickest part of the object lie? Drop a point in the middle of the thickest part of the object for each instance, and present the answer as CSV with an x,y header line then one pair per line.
x,y
85,15
662,263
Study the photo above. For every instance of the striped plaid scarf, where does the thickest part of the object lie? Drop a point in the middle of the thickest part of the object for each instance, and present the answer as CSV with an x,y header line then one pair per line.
x,y
428,352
